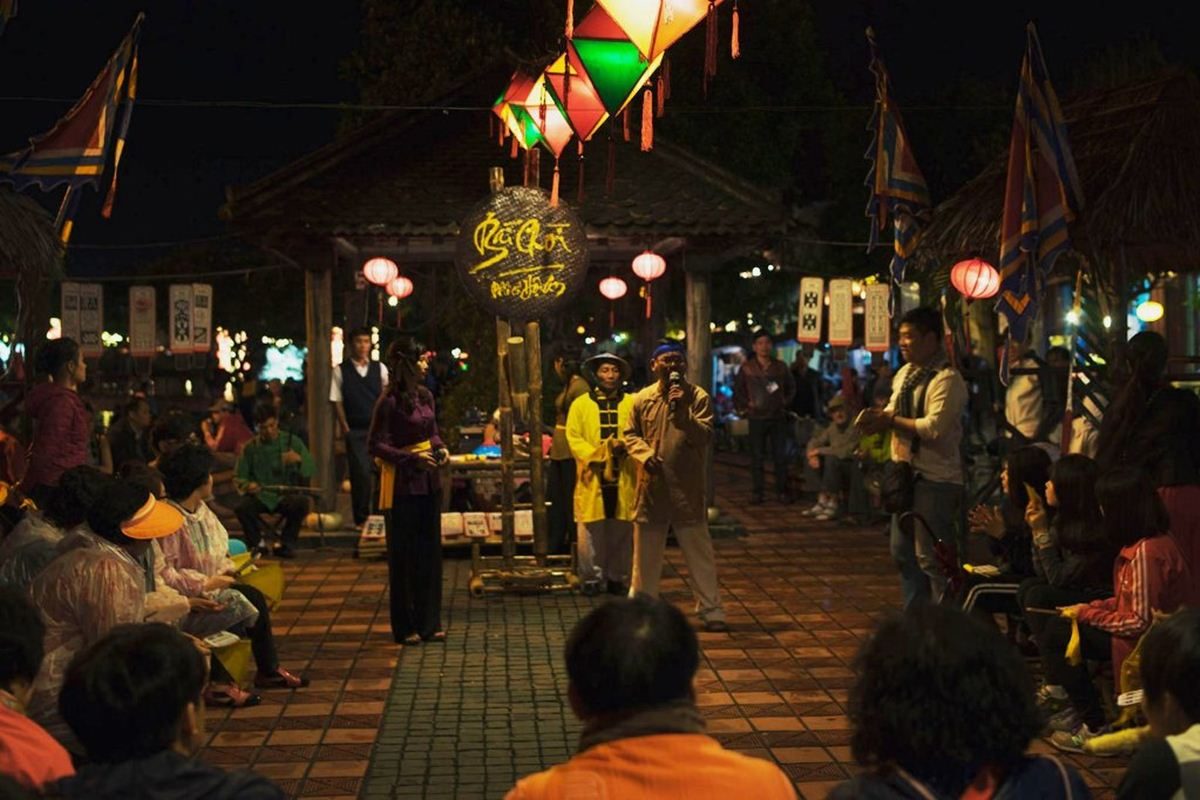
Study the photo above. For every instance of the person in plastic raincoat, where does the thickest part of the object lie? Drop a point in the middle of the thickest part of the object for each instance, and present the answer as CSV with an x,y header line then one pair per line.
x,y
606,482
96,583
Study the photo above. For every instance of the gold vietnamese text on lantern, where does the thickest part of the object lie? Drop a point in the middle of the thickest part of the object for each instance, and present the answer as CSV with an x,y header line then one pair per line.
x,y
497,240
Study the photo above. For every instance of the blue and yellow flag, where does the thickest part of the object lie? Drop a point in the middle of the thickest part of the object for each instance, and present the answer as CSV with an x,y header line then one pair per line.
x,y
76,151
1042,195
897,186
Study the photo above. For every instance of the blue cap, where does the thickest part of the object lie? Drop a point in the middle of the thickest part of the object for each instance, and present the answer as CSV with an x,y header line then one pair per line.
x,y
667,347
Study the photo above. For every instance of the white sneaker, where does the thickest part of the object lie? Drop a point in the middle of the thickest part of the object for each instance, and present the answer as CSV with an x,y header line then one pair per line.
x,y
828,515
819,508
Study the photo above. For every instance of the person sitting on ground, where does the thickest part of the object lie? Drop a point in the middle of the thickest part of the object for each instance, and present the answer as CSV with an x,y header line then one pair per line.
x,y
27,753
96,583
1072,559
943,708
1000,537
199,555
1150,574
631,665
832,452
225,432
133,700
33,543
129,436
270,460
1165,766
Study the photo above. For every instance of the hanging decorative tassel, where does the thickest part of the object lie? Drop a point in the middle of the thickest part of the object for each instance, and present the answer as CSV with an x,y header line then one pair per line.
x,y
625,123
648,303
735,46
710,45
579,193
662,96
554,186
610,173
512,150
666,76
647,120
570,31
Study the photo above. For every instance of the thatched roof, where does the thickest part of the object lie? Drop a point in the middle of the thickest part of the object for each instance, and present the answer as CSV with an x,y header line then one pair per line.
x,y
27,239
1137,151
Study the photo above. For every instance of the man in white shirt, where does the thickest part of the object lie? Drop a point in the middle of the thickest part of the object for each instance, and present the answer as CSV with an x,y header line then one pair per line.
x,y
1023,398
357,384
925,417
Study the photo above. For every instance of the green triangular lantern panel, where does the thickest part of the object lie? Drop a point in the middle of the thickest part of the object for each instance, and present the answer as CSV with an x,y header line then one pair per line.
x,y
616,68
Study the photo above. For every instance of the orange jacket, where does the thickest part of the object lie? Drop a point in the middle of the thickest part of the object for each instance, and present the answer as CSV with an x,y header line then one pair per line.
x,y
670,765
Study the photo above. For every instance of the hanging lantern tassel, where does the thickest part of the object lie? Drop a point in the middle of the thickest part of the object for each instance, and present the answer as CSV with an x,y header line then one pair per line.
x,y
735,46
554,186
579,193
662,95
710,45
647,120
570,31
666,76
512,150
648,304
625,123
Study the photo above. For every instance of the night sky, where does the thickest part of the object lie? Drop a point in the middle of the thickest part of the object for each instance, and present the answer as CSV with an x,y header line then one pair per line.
x,y
179,160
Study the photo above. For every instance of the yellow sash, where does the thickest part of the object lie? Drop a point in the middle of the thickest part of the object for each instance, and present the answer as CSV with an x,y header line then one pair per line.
x,y
387,473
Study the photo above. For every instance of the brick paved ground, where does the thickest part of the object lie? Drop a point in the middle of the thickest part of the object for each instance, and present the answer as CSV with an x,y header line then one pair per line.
x,y
464,718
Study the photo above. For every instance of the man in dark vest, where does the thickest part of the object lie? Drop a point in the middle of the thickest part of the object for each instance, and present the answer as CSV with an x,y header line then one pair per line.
x,y
356,385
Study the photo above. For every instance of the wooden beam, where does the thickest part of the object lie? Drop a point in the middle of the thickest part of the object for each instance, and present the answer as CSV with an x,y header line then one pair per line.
x,y
699,345
318,318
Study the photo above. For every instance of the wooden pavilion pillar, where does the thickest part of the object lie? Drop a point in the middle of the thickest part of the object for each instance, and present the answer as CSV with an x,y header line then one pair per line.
x,y
699,339
318,320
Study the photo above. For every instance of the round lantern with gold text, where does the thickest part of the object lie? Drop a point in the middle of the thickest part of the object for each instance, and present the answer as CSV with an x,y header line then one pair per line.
x,y
520,257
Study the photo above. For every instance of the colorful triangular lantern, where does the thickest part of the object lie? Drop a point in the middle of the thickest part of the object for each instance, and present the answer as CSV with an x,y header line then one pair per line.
x,y
655,25
548,118
613,64
577,97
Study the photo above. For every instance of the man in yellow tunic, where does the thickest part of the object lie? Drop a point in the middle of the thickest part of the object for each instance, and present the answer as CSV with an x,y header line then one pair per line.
x,y
669,433
606,479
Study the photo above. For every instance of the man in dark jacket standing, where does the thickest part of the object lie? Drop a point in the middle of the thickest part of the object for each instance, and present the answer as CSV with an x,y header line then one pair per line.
x,y
762,393
357,384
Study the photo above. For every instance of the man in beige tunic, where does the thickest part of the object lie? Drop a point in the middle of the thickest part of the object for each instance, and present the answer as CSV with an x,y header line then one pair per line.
x,y
669,433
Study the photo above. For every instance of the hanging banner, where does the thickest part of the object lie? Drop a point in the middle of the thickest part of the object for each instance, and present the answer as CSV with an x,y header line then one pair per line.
x,y
180,319
521,258
812,306
142,321
69,315
878,330
91,319
202,296
841,312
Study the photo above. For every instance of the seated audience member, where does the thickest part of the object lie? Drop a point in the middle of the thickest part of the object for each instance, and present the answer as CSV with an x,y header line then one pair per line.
x,y
630,665
225,432
1002,537
943,708
199,556
28,754
832,452
1150,574
129,436
273,458
133,700
95,583
1072,559
33,543
173,429
1168,764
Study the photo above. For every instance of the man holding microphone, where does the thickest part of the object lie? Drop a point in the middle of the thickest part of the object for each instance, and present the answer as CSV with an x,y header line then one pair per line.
x,y
668,435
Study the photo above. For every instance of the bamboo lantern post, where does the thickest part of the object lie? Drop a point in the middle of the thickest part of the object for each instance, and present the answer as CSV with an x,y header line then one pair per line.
x,y
533,355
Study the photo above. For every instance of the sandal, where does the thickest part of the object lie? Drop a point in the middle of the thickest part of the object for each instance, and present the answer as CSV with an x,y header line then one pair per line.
x,y
282,679
436,636
227,695
412,639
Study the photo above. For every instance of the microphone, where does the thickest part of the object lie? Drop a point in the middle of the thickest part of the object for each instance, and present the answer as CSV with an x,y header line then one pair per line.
x,y
673,380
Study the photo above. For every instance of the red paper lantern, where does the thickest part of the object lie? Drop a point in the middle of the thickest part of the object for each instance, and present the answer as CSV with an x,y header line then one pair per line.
x,y
649,266
380,271
975,279
400,287
613,288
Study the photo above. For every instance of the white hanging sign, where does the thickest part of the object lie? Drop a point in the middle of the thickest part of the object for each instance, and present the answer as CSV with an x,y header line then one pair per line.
x,y
202,296
91,319
841,312
812,307
180,318
878,332
142,321
69,315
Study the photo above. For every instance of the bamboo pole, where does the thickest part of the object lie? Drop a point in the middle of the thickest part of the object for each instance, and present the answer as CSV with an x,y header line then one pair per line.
x,y
508,547
533,369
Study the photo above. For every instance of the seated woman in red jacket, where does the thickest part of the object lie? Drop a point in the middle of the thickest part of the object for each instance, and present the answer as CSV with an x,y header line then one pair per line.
x,y
1150,574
